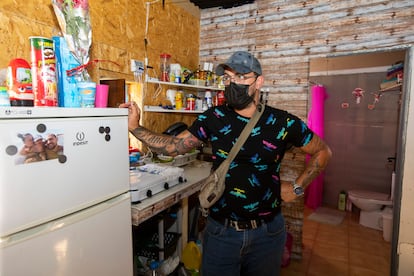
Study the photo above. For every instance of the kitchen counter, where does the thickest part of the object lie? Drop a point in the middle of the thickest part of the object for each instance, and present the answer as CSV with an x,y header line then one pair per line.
x,y
149,207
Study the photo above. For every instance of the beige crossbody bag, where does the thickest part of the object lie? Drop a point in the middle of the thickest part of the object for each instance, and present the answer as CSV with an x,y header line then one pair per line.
x,y
213,186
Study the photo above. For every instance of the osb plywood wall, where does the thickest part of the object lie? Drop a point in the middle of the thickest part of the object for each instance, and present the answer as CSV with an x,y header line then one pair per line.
x,y
286,35
118,31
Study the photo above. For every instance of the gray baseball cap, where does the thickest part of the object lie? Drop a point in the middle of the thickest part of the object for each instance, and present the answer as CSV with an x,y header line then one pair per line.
x,y
241,62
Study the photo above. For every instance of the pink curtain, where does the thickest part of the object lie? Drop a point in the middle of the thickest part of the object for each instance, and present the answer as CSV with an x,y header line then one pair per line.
x,y
313,194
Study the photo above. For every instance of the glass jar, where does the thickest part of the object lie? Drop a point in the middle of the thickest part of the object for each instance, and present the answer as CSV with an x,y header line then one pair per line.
x,y
165,67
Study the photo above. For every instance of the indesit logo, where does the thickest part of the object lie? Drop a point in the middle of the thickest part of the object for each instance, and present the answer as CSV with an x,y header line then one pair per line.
x,y
80,137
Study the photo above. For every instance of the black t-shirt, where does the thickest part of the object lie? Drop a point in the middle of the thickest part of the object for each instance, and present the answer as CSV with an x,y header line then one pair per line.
x,y
252,181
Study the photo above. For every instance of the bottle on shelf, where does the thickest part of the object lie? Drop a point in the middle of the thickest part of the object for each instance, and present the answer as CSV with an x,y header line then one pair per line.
x,y
190,102
208,98
175,73
179,100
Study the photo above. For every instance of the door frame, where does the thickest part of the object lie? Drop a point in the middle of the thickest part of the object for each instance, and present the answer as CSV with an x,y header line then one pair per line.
x,y
403,161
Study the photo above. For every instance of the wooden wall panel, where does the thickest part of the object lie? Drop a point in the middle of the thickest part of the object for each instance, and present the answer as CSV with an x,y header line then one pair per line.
x,y
118,31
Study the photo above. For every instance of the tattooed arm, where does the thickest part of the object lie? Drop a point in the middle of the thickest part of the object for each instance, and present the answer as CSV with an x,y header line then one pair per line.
x,y
321,154
159,143
165,144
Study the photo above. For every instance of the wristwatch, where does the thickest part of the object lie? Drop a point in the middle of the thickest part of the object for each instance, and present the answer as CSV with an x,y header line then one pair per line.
x,y
297,189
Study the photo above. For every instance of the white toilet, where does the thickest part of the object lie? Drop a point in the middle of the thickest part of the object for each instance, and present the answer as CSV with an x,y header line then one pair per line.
x,y
372,205
368,200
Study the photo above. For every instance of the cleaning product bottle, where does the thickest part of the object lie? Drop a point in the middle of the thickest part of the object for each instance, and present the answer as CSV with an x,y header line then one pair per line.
x,y
342,201
191,256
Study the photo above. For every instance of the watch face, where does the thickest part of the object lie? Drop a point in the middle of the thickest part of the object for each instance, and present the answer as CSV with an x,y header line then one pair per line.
x,y
298,190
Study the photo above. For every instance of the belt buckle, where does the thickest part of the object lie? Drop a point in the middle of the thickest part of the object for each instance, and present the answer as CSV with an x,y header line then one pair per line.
x,y
241,226
253,224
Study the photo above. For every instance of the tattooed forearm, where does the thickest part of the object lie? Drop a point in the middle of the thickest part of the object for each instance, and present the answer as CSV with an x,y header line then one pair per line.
x,y
320,156
165,144
312,170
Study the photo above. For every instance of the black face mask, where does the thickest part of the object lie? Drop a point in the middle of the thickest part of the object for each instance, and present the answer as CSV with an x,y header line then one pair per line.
x,y
237,95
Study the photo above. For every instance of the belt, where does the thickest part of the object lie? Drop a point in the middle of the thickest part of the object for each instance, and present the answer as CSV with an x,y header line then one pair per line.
x,y
241,225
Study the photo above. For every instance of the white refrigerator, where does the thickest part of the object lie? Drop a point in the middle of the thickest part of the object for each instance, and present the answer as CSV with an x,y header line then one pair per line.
x,y
64,192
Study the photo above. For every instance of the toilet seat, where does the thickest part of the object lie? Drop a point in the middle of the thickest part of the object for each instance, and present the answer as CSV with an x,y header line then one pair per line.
x,y
369,195
369,200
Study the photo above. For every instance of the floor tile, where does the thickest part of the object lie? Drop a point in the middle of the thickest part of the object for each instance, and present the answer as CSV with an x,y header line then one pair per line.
x,y
359,271
310,228
322,265
368,261
348,249
372,247
331,252
334,237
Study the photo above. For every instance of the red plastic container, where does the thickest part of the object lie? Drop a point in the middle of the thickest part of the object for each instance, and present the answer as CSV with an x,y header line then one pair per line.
x,y
19,83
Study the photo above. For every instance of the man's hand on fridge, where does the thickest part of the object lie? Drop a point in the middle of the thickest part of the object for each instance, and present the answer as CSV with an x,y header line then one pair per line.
x,y
134,114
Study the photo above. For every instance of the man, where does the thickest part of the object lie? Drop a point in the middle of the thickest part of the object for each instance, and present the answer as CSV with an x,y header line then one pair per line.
x,y
245,231
53,150
33,148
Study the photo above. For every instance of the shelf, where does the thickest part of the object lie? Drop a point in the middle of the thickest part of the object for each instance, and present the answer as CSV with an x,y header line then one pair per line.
x,y
398,85
188,86
152,108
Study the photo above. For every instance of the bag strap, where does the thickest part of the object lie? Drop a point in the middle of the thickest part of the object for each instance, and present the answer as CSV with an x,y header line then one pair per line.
x,y
246,132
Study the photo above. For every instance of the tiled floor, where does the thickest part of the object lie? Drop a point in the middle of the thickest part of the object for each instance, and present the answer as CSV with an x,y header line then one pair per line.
x,y
348,249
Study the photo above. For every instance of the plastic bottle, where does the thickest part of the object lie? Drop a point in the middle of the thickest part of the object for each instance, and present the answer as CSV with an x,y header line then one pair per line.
x,y
4,97
342,201
175,73
208,99
191,256
179,100
19,83
154,267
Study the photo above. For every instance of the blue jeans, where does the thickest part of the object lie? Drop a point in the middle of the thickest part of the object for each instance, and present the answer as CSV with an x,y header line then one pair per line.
x,y
256,252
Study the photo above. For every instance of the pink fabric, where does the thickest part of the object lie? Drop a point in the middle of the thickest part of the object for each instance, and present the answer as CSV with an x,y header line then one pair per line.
x,y
314,192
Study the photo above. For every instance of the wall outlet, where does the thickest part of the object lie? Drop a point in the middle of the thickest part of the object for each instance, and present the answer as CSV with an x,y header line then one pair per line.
x,y
137,66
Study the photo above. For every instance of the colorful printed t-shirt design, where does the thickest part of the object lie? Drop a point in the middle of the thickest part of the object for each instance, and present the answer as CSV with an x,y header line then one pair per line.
x,y
252,181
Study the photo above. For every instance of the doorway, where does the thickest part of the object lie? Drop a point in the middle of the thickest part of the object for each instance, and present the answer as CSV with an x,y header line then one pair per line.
x,y
364,138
